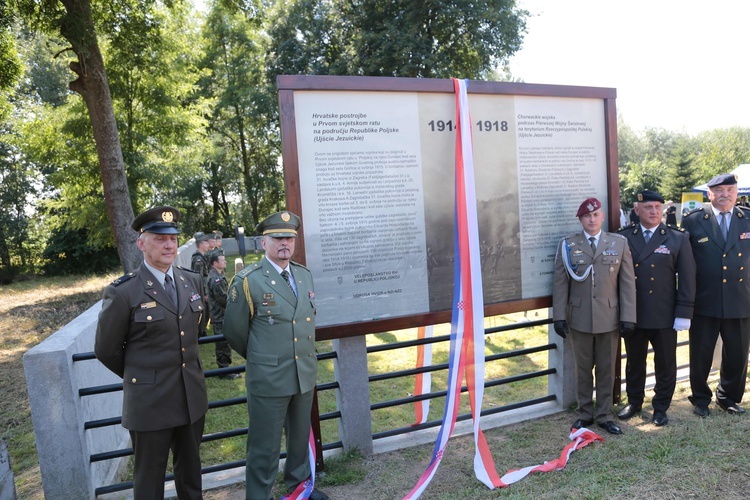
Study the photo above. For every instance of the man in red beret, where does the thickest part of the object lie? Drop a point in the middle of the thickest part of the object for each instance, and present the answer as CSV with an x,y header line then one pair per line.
x,y
593,301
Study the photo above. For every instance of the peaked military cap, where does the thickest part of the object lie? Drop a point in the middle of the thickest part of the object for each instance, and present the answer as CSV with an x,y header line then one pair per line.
x,y
589,205
722,180
280,225
158,220
648,195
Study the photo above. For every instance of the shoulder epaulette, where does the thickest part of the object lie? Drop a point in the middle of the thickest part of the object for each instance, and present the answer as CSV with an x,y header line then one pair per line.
x,y
627,228
122,279
695,210
187,269
675,228
247,270
299,265
616,235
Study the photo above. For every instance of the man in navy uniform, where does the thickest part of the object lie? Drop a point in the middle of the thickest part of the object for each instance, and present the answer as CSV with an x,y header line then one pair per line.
x,y
720,237
593,300
148,334
664,304
270,321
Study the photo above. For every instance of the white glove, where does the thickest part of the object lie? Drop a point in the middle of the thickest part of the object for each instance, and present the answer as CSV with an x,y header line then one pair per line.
x,y
681,324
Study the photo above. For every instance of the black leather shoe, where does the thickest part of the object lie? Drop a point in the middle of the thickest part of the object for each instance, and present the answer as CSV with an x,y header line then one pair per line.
x,y
582,423
702,411
660,418
610,427
628,412
730,407
318,495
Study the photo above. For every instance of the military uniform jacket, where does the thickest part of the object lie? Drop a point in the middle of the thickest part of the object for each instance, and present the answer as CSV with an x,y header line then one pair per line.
x,y
723,268
273,330
607,296
217,295
144,339
660,295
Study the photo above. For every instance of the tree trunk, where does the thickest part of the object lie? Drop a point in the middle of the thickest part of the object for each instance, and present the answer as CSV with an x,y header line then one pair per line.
x,y
78,28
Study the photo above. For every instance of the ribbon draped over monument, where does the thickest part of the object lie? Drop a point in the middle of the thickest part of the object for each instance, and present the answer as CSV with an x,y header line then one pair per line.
x,y
467,349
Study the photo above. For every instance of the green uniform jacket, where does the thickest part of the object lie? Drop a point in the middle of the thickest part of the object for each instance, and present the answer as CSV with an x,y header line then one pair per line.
x,y
217,295
273,330
144,339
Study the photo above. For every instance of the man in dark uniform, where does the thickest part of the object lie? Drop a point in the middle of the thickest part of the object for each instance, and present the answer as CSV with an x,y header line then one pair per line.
x,y
270,321
720,237
198,261
217,304
148,334
593,300
660,253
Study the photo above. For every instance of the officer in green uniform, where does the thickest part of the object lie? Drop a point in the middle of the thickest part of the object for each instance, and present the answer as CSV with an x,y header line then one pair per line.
x,y
148,334
270,321
198,261
217,304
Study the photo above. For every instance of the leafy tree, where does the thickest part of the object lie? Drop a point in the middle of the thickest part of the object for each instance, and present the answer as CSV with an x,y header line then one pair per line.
x,y
74,21
10,63
722,151
638,176
437,39
243,121
680,176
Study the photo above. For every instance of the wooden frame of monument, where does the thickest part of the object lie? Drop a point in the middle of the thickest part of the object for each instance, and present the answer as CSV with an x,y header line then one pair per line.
x,y
289,84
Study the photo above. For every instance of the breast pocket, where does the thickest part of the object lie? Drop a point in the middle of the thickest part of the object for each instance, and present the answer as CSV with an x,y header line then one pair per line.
x,y
150,320
267,310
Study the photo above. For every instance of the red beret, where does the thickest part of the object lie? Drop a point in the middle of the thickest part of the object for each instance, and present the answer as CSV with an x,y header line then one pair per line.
x,y
588,206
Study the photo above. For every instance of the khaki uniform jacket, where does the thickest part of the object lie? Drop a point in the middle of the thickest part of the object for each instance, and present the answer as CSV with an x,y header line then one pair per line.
x,y
143,338
659,299
607,296
273,330
723,268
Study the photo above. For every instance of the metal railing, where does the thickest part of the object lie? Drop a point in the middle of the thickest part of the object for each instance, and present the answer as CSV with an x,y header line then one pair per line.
x,y
330,386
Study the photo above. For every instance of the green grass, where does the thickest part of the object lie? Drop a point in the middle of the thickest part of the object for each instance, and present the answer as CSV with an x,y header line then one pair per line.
x,y
688,458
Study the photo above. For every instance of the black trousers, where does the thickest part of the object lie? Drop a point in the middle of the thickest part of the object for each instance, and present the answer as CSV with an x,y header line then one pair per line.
x,y
664,342
735,335
151,453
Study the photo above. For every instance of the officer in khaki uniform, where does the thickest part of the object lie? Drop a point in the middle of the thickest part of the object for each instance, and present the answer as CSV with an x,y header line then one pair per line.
x,y
148,334
270,322
660,253
593,299
722,298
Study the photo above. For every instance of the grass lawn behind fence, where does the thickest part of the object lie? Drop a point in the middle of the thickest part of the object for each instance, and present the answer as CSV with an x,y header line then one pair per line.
x,y
690,457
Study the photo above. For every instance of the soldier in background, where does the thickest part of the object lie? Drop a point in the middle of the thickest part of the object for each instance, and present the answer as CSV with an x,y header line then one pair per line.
x,y
660,253
217,304
593,300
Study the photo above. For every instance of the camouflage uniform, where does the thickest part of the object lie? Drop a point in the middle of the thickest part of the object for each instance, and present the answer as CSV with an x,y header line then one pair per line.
x,y
217,304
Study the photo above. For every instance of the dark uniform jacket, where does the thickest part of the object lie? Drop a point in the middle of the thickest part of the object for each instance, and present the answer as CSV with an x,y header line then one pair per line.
x,y
657,264
607,296
273,330
217,295
144,339
723,268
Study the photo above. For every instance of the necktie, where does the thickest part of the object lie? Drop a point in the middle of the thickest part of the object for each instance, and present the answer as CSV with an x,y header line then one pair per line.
x,y
593,244
723,225
285,275
170,289
647,235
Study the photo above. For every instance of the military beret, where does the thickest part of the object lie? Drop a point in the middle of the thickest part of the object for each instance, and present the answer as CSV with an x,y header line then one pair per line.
x,y
648,195
201,236
158,220
280,225
722,180
589,205
219,235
